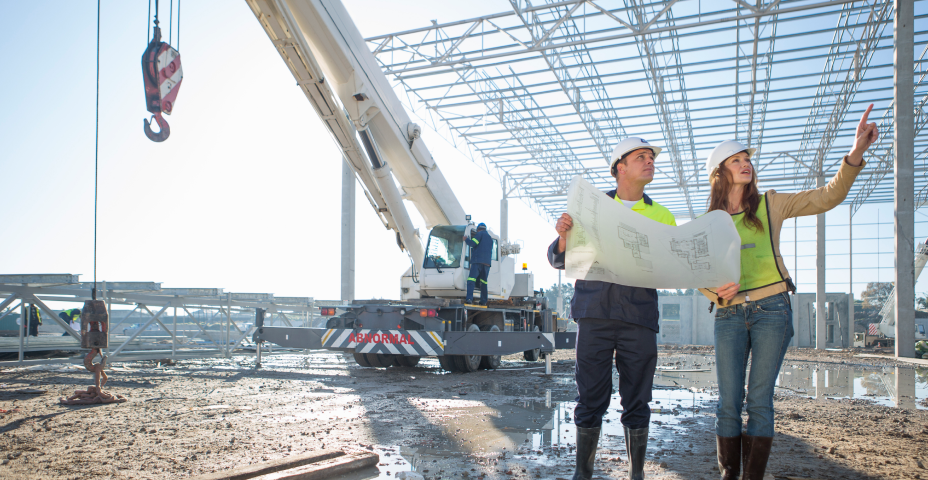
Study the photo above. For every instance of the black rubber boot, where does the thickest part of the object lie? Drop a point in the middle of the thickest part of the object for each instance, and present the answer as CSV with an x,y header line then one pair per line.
x,y
729,454
754,453
587,440
636,443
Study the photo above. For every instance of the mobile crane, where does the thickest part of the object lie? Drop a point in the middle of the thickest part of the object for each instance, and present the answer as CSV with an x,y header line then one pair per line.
x,y
339,75
884,333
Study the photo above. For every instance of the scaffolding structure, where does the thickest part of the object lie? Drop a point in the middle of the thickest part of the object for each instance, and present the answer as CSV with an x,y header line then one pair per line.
x,y
541,92
217,322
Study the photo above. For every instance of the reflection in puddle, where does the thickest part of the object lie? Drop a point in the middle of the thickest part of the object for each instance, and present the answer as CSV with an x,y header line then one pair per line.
x,y
535,425
891,386
540,431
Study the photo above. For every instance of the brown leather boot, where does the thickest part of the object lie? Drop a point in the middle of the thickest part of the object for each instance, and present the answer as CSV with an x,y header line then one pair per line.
x,y
754,454
729,453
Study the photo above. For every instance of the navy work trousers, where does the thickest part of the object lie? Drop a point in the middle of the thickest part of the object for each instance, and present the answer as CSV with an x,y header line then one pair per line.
x,y
633,348
478,275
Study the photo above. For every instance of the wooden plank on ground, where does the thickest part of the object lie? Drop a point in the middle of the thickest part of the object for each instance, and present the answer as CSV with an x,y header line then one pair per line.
x,y
327,468
264,468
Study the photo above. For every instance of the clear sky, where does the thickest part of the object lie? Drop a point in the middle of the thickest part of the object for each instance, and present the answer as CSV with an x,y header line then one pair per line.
x,y
245,195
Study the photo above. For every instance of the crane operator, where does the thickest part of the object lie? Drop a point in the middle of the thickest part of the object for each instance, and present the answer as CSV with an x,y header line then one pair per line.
x,y
480,258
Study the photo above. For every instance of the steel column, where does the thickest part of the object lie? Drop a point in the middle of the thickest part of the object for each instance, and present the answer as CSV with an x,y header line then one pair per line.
x,y
850,276
348,197
228,325
904,175
820,296
22,326
504,219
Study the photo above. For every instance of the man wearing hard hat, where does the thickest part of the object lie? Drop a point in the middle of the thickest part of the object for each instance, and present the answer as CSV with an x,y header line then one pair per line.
x,y
615,323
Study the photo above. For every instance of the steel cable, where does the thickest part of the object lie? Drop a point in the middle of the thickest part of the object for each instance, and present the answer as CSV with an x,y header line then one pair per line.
x,y
96,157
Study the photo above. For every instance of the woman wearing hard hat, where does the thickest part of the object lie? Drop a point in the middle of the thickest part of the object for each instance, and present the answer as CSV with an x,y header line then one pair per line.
x,y
754,316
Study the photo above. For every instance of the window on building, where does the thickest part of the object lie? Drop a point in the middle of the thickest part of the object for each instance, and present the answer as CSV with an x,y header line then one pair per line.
x,y
670,311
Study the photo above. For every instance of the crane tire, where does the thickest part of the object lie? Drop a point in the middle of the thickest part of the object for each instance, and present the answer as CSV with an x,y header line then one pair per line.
x,y
468,363
379,360
361,360
447,363
534,354
490,362
406,361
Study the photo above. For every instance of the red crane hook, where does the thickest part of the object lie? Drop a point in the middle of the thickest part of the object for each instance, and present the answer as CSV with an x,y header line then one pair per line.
x,y
162,75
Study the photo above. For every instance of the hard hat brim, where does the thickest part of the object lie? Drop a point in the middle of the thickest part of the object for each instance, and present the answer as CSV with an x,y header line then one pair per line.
x,y
712,165
616,158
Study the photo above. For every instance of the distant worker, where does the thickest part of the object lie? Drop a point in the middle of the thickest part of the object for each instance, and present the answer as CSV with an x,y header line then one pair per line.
x,y
921,349
480,258
35,319
71,317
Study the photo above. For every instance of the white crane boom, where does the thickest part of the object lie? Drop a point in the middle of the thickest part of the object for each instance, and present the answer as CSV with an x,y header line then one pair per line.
x,y
339,75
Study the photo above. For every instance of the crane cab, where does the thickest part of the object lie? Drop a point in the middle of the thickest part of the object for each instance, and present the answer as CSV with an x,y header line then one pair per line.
x,y
447,264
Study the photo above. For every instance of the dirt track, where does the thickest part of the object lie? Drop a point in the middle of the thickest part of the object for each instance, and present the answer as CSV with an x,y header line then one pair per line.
x,y
201,416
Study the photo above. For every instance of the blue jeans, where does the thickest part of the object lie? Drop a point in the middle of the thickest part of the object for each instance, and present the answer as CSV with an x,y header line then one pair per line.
x,y
761,329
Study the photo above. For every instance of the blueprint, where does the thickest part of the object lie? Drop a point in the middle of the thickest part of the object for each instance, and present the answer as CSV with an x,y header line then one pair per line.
x,y
611,243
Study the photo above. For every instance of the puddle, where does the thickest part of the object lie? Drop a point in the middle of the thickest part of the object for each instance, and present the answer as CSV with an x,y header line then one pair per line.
x,y
901,387
535,426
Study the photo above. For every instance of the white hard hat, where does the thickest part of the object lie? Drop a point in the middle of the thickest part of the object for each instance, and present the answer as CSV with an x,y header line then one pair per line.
x,y
723,151
628,145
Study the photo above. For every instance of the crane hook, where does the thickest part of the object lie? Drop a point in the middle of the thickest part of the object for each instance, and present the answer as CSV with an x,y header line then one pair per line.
x,y
164,128
162,75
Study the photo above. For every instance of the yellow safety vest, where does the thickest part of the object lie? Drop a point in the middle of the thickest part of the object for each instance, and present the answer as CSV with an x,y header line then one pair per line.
x,y
651,209
758,264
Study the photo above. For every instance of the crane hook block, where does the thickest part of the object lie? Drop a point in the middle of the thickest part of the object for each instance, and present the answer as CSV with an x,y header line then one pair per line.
x,y
95,324
162,74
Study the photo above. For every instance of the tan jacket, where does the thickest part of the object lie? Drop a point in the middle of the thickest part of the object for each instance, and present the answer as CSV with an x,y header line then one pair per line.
x,y
781,206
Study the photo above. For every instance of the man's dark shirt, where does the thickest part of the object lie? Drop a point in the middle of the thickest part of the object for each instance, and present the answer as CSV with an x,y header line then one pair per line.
x,y
483,247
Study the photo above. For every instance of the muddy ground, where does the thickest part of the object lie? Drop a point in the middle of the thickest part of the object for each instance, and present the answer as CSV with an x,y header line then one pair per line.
x,y
201,416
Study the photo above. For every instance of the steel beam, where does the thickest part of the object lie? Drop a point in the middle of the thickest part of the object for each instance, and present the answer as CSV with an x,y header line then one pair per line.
x,y
41,279
440,34
833,104
673,111
529,90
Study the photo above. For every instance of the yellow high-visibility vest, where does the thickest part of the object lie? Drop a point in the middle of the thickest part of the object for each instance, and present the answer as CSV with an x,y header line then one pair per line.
x,y
758,265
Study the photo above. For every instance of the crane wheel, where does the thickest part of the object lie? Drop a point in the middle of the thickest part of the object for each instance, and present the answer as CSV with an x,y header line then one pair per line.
x,y
490,362
361,360
379,360
406,361
447,363
534,354
468,363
